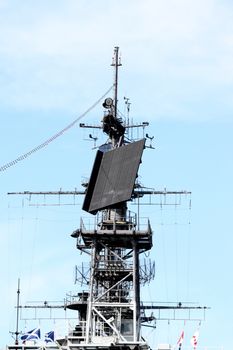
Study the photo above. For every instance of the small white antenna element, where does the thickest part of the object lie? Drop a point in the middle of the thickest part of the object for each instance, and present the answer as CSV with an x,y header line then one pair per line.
x,y
127,104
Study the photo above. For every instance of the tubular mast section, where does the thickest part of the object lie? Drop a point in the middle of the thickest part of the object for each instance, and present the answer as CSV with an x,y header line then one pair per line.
x,y
116,62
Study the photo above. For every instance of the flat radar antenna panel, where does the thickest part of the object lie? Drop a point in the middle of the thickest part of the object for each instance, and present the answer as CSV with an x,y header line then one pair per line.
x,y
113,177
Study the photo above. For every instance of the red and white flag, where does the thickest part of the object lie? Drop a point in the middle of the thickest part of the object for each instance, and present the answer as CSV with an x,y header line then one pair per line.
x,y
180,340
194,340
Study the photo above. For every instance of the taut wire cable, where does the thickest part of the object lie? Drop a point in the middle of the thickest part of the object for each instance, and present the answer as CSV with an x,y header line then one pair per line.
x,y
60,133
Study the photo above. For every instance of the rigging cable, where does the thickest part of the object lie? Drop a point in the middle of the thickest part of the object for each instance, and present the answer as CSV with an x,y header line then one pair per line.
x,y
60,133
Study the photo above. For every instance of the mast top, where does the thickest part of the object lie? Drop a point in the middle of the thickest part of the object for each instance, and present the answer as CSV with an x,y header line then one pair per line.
x,y
116,62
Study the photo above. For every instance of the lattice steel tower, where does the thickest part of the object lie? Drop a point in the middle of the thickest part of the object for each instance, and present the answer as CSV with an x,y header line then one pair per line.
x,y
111,311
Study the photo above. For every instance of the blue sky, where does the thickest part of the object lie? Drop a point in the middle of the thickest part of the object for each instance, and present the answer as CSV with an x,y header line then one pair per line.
x,y
177,70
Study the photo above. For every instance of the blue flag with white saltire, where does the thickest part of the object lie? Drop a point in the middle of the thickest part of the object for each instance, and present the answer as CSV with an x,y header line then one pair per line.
x,y
49,337
34,334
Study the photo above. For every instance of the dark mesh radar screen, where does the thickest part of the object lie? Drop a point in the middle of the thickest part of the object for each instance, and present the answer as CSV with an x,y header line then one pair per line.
x,y
113,177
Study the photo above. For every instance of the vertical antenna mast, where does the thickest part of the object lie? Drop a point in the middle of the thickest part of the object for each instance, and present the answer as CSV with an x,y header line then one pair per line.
x,y
116,62
17,315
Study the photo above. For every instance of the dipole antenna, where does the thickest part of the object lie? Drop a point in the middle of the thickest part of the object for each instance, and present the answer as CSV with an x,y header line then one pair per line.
x,y
116,62
17,315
